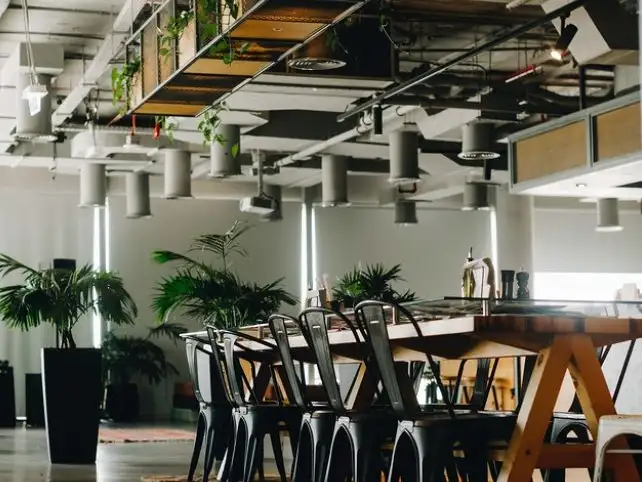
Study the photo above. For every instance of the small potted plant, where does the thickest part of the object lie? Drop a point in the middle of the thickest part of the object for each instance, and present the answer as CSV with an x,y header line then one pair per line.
x,y
71,376
124,358
374,282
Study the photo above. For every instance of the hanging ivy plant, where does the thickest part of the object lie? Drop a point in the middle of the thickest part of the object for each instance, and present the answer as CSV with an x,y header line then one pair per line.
x,y
173,32
226,47
167,125
208,126
121,82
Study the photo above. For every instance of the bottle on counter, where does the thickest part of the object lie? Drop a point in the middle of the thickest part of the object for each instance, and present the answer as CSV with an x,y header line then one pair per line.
x,y
468,278
508,284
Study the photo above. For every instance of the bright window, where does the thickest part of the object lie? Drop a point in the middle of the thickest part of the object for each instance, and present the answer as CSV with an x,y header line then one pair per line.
x,y
581,286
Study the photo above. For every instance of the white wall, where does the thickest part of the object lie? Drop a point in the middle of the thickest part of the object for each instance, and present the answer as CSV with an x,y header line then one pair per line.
x,y
40,222
431,253
274,252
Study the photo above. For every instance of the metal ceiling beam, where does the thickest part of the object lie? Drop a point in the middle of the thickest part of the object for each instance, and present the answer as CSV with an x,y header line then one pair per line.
x,y
119,33
498,40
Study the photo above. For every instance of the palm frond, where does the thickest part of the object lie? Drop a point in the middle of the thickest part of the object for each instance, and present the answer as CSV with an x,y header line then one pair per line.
x,y
373,282
170,330
223,245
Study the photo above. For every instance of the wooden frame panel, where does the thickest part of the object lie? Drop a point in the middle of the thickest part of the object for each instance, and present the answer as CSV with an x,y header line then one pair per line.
x,y
551,152
618,132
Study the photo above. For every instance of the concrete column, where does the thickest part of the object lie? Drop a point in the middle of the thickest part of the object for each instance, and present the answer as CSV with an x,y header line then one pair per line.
x,y
513,231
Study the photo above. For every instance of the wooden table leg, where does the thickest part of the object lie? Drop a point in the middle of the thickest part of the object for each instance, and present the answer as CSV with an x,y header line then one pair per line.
x,y
595,399
536,410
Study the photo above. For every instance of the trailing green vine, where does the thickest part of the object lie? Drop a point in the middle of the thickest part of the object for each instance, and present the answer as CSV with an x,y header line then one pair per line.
x,y
209,125
121,82
167,125
173,32
226,47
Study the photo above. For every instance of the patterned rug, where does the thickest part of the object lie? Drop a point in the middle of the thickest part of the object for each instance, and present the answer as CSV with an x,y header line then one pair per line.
x,y
143,435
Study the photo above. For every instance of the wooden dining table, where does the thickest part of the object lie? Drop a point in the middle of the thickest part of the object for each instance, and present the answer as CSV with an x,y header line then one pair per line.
x,y
563,344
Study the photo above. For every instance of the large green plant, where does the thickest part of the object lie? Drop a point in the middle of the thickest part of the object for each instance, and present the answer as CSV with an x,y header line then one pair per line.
x,y
212,292
374,282
126,356
62,297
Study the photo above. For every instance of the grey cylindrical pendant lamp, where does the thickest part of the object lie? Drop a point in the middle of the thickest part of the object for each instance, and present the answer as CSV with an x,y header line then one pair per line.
x,y
334,181
225,150
36,128
137,190
93,185
178,174
477,144
608,216
404,157
405,212
274,192
475,197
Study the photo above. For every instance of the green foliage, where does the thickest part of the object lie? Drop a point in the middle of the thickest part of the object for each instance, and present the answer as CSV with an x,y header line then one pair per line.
x,y
215,294
167,126
226,47
127,356
209,124
372,283
62,297
121,82
173,32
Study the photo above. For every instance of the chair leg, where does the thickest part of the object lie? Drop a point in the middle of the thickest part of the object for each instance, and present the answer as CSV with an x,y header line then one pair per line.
x,y
321,435
210,453
198,443
275,438
303,466
340,456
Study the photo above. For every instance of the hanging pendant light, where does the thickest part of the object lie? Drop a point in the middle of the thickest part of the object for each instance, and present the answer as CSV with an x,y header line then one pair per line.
x,y
405,212
334,181
178,174
93,185
225,150
608,216
404,157
478,139
275,193
137,191
476,197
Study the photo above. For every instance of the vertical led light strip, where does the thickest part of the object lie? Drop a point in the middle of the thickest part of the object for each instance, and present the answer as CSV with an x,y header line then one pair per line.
x,y
304,254
101,262
493,238
313,241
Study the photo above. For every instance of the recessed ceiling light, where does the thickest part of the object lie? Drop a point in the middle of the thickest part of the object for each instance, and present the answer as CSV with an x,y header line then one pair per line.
x,y
277,29
580,184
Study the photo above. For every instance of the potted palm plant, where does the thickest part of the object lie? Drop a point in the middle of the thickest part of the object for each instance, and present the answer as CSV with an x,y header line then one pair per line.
x,y
372,282
71,376
213,293
125,357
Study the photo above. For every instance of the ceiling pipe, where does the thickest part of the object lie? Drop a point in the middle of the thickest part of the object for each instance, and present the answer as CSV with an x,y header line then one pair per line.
x,y
387,115
500,39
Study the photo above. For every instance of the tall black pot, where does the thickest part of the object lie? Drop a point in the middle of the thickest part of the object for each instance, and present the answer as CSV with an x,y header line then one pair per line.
x,y
72,389
7,399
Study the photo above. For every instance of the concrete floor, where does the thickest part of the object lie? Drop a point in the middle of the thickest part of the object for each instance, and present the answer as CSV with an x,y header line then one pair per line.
x,y
23,458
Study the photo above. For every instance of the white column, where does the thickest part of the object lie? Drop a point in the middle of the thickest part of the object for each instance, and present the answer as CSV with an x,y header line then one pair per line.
x,y
512,231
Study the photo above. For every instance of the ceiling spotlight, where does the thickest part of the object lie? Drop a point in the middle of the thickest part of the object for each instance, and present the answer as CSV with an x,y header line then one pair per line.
x,y
405,212
608,216
475,197
566,37
477,144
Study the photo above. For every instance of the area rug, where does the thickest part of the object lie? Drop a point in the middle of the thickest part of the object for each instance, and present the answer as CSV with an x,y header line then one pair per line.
x,y
143,435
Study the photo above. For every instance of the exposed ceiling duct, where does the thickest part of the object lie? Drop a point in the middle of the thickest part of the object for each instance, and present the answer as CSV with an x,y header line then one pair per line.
x,y
137,195
404,157
225,150
608,216
606,32
274,192
405,212
93,185
477,142
102,143
178,173
334,181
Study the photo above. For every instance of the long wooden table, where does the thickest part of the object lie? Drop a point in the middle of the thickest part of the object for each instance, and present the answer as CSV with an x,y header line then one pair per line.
x,y
561,343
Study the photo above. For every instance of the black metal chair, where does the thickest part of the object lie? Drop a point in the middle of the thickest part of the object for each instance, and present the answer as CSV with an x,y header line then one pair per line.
x,y
215,412
426,436
359,435
317,424
252,418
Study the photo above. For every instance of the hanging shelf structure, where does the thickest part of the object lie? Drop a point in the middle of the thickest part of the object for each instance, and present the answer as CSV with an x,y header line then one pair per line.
x,y
217,53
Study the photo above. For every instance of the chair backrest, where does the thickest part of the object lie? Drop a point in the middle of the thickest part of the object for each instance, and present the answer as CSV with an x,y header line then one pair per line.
x,y
314,324
237,379
205,374
295,387
372,316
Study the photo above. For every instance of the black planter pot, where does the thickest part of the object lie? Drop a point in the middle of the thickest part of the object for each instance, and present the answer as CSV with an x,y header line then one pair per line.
x,y
72,388
122,402
7,399
34,405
